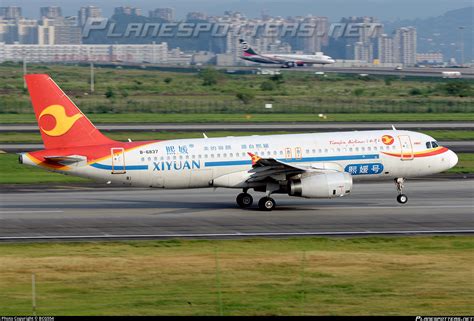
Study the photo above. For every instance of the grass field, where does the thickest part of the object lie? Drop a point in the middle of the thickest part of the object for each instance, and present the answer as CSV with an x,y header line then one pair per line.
x,y
13,173
22,137
306,276
127,91
29,118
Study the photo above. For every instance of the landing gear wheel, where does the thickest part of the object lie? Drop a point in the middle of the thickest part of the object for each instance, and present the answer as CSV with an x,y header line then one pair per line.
x,y
266,204
402,198
244,200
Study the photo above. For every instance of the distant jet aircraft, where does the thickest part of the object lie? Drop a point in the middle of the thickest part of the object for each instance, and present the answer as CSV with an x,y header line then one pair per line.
x,y
285,60
321,165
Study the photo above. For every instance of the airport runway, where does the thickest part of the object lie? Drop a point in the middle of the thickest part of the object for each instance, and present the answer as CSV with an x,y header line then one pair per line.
x,y
77,213
283,126
456,146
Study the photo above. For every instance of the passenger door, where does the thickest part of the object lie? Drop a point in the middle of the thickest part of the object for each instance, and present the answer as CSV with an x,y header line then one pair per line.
x,y
406,147
118,161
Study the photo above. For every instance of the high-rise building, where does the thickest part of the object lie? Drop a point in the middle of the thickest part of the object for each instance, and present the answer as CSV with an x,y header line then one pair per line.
x,y
27,31
50,12
166,14
130,11
10,12
196,16
59,31
385,49
363,51
8,31
88,12
66,31
314,40
404,46
46,31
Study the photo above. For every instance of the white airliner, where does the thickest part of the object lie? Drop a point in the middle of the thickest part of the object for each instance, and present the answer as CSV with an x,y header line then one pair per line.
x,y
320,165
286,60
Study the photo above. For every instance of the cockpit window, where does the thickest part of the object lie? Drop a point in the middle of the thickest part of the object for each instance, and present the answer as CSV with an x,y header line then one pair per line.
x,y
428,145
434,144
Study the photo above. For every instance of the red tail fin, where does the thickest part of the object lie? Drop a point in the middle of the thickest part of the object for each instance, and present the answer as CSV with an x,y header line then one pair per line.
x,y
61,123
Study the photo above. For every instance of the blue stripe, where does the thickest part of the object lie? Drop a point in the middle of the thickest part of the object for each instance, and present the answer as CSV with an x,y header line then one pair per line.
x,y
228,163
128,167
302,160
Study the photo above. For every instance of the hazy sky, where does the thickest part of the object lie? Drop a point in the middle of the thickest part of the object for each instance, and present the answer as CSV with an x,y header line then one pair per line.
x,y
334,9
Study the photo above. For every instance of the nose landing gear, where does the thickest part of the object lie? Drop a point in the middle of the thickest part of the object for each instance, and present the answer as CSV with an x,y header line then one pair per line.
x,y
401,198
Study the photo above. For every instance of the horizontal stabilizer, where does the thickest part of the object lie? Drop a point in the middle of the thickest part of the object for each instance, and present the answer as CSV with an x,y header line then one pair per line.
x,y
66,160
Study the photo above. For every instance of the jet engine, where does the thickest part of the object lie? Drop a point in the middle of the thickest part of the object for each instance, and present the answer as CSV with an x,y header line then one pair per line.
x,y
321,185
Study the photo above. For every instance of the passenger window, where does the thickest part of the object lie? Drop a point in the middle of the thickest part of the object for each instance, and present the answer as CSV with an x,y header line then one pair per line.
x,y
428,145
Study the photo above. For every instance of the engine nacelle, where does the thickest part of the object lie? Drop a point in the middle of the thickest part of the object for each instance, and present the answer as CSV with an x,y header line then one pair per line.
x,y
323,185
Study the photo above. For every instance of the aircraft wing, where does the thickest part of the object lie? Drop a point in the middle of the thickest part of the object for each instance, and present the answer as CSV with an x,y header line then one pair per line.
x,y
264,168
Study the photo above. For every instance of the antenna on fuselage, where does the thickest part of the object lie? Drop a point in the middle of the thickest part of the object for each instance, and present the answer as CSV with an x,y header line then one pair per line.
x,y
205,136
393,127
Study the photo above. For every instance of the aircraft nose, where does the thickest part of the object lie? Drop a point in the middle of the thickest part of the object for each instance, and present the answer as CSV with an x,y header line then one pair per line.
x,y
453,159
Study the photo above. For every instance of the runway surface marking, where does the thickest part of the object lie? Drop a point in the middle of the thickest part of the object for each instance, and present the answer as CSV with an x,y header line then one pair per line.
x,y
262,234
28,212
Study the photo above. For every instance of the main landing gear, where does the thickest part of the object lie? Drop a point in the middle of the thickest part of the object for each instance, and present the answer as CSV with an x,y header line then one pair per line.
x,y
401,198
245,200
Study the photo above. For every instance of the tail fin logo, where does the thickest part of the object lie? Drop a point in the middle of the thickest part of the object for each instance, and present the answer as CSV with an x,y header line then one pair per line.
x,y
63,122
244,45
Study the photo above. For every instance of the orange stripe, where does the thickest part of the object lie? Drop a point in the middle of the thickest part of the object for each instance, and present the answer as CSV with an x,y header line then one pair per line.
x,y
430,152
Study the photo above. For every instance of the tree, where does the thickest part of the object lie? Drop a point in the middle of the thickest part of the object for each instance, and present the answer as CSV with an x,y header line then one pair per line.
x,y
245,97
278,78
209,76
109,93
267,86
358,92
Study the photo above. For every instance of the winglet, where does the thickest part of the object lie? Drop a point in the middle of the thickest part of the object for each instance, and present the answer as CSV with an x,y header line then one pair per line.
x,y
255,158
